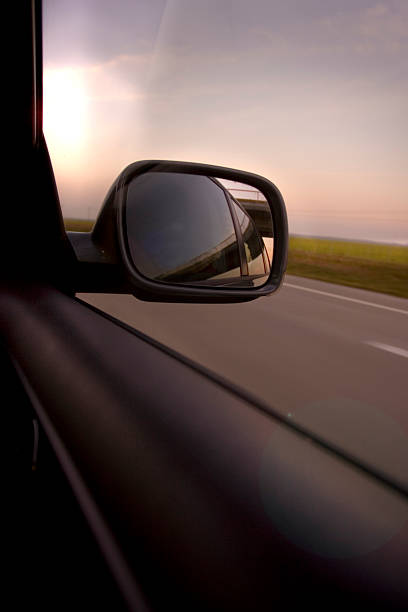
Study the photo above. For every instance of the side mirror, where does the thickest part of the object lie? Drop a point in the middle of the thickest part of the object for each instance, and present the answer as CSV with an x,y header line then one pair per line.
x,y
177,231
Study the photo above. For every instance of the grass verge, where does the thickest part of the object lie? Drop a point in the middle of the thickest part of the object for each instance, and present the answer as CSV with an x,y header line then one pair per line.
x,y
78,225
376,267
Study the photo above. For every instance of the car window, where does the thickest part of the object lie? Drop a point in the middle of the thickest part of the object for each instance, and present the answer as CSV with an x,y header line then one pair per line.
x,y
312,95
253,243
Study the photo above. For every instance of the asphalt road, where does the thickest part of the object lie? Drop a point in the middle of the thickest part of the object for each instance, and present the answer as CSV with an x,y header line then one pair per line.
x,y
333,359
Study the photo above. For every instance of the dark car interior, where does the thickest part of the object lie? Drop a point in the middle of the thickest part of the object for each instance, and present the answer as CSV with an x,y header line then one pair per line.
x,y
132,474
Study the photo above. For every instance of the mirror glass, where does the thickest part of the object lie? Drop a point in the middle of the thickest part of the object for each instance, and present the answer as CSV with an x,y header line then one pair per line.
x,y
193,229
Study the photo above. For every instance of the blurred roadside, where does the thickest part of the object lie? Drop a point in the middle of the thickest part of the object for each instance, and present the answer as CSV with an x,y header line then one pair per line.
x,y
376,267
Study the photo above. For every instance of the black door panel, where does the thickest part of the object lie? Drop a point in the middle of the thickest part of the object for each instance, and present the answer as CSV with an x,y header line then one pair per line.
x,y
167,466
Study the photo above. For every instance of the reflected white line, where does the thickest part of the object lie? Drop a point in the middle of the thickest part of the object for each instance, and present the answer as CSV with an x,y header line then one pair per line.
x,y
347,299
389,348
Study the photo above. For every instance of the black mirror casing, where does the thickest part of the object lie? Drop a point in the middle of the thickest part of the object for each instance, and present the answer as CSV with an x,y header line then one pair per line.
x,y
105,263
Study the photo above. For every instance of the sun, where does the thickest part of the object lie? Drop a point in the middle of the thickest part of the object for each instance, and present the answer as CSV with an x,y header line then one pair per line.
x,y
65,108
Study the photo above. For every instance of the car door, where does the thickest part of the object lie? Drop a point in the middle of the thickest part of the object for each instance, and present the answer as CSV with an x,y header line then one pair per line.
x,y
140,479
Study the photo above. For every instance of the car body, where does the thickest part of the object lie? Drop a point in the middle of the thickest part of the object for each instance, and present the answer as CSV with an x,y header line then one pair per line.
x,y
138,479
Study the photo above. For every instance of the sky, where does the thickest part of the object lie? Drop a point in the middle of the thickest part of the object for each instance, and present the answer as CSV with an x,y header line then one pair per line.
x,y
312,94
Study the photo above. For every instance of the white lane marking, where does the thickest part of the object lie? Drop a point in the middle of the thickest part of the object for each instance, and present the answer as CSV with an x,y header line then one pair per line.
x,y
347,299
389,348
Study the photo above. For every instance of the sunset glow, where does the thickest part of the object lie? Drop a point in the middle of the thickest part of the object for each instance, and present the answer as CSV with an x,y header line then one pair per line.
x,y
312,95
65,110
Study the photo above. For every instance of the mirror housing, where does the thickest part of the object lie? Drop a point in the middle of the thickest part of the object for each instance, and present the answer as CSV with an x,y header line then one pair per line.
x,y
104,256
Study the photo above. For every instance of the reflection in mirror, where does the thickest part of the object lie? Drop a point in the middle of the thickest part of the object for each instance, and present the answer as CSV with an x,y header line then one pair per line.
x,y
193,229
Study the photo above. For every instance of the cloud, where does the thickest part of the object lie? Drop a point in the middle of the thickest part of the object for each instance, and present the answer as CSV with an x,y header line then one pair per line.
x,y
121,78
79,31
378,30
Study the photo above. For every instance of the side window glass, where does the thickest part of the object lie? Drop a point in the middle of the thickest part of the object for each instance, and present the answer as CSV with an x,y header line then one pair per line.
x,y
253,243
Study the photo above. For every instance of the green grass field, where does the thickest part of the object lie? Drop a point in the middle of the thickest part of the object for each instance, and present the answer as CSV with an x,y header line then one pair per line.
x,y
376,267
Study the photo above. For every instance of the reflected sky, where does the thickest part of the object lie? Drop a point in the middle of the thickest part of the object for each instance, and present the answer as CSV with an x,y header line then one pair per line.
x,y
310,93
